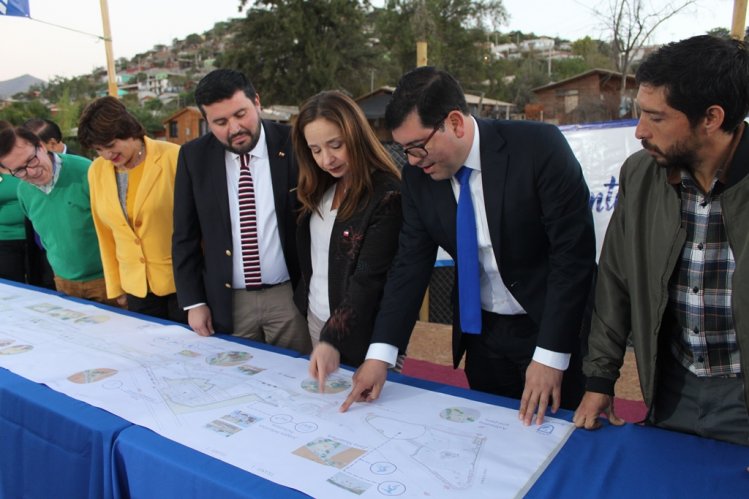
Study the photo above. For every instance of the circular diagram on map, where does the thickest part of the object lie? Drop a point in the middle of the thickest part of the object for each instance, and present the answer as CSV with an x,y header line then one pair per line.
x,y
92,375
228,358
460,414
333,384
16,349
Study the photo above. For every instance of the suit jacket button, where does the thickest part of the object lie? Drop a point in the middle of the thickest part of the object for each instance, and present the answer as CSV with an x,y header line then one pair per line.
x,y
142,260
228,285
228,252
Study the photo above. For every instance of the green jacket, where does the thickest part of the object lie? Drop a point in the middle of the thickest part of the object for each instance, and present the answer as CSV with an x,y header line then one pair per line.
x,y
12,225
63,221
641,249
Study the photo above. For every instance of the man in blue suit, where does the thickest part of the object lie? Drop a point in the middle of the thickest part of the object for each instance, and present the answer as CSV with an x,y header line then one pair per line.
x,y
535,247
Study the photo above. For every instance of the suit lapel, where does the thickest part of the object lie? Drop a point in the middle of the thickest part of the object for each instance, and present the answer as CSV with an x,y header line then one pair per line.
x,y
279,174
494,163
215,176
444,198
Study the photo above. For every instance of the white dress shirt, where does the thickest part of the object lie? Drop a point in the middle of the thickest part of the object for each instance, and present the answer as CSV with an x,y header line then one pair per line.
x,y
272,263
320,229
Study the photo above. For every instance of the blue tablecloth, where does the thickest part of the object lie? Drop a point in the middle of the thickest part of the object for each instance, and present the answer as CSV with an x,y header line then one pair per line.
x,y
628,462
52,445
148,465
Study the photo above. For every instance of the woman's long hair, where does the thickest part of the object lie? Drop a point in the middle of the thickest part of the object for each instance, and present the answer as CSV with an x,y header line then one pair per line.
x,y
365,153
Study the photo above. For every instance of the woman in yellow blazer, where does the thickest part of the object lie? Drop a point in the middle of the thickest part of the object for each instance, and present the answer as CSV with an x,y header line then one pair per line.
x,y
132,199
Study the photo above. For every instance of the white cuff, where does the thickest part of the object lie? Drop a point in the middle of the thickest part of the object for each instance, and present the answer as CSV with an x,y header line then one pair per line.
x,y
556,360
384,352
193,306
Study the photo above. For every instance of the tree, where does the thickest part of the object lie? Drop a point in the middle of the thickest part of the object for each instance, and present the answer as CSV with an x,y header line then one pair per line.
x,y
454,29
631,24
18,112
594,53
720,33
292,49
531,74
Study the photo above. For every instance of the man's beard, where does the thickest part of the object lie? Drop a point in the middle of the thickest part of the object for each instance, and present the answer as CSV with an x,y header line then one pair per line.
x,y
254,135
680,155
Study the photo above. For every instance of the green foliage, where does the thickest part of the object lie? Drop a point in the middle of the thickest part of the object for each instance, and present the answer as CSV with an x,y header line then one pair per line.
x,y
292,49
594,53
454,29
18,112
567,68
68,112
79,88
720,33
531,73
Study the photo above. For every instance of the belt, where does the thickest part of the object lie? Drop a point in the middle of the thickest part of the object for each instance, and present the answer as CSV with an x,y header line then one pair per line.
x,y
264,286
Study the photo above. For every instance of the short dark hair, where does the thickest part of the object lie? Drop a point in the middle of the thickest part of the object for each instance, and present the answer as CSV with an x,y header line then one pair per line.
x,y
431,91
45,129
222,84
700,72
105,120
9,134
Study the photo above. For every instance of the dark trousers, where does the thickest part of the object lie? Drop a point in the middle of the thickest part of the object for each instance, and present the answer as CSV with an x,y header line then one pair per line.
x,y
13,260
163,307
496,360
710,407
39,271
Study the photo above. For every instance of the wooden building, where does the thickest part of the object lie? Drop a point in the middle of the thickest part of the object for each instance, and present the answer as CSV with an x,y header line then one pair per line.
x,y
594,95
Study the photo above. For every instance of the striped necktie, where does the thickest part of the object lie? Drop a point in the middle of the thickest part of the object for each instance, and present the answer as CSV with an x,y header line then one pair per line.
x,y
248,225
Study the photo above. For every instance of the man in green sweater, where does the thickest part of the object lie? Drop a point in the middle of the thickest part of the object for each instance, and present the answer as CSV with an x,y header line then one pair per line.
x,y
54,195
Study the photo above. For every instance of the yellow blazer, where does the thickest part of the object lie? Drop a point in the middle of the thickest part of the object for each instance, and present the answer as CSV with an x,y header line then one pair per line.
x,y
137,259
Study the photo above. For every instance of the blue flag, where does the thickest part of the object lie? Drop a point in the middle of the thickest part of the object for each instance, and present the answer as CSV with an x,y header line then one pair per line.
x,y
15,8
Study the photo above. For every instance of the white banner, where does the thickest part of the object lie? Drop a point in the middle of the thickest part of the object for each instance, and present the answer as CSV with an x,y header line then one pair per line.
x,y
601,150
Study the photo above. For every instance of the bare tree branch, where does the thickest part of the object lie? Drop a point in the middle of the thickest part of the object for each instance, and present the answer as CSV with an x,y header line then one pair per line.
x,y
630,25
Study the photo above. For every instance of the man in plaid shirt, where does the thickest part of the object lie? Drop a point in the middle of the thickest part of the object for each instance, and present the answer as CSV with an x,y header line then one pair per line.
x,y
674,269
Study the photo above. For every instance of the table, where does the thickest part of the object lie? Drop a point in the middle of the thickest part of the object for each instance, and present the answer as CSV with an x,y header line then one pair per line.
x,y
53,445
627,462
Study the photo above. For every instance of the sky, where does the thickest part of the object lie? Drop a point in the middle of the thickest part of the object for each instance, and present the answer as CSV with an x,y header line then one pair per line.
x,y
32,46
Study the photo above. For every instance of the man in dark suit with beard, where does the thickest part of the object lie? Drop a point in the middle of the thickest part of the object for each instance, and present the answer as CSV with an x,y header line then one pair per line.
x,y
524,267
235,261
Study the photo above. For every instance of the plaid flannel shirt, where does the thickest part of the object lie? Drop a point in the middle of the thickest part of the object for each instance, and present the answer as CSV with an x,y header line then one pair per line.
x,y
700,288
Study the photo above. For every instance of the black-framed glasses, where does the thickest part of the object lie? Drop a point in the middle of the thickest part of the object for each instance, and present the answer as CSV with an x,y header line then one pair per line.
x,y
21,171
419,151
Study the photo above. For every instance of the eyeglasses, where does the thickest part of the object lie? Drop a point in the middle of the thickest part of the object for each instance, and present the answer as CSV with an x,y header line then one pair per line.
x,y
22,171
419,151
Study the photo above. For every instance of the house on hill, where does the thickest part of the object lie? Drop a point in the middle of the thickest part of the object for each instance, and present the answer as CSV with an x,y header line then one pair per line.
x,y
594,95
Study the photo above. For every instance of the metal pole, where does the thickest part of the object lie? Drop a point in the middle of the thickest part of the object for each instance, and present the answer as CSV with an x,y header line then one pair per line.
x,y
421,54
111,75
738,26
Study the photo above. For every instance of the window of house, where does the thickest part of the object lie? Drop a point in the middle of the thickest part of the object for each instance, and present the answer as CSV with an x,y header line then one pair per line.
x,y
570,101
173,129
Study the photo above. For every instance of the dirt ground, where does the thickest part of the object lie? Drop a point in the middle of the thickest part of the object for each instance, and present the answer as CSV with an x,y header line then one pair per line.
x,y
431,342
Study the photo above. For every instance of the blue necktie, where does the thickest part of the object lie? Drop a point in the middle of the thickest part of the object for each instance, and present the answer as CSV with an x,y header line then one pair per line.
x,y
469,289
